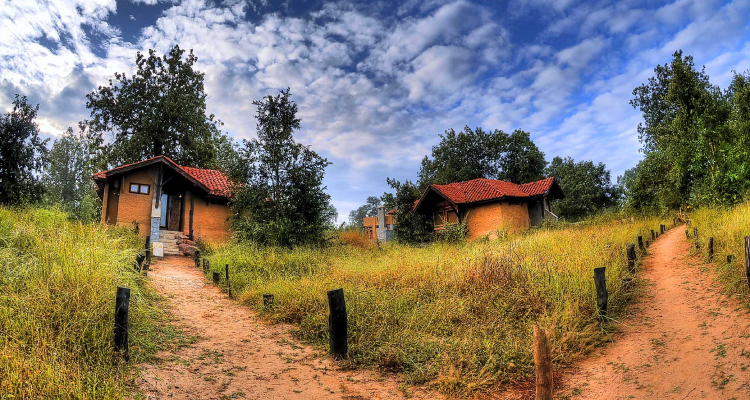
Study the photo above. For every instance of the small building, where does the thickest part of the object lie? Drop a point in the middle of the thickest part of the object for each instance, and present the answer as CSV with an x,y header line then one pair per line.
x,y
488,205
166,200
380,227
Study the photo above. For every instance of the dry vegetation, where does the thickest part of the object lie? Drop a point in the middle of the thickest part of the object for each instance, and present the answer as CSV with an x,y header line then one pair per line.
x,y
57,289
458,316
728,227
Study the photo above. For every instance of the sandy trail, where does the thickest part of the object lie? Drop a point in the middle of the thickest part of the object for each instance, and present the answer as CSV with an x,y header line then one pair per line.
x,y
685,340
239,356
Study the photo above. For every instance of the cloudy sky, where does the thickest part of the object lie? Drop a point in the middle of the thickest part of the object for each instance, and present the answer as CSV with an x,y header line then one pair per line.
x,y
377,81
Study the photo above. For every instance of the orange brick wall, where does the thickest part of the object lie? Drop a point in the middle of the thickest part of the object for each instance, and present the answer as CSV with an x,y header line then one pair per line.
x,y
134,206
210,220
487,218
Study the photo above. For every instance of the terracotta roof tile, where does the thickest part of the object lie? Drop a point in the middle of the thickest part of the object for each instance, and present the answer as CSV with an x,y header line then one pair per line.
x,y
481,189
215,180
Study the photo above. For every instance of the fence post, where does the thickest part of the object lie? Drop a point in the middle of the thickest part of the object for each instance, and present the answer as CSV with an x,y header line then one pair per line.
x,y
630,252
730,258
653,235
229,286
747,259
697,244
661,228
710,249
337,323
197,258
217,277
122,302
542,364
600,281
640,242
647,243
267,300
148,252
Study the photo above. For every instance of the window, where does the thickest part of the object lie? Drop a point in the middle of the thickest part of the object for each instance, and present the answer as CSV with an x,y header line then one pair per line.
x,y
438,218
139,188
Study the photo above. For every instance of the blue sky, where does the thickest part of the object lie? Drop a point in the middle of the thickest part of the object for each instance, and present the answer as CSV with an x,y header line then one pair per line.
x,y
376,81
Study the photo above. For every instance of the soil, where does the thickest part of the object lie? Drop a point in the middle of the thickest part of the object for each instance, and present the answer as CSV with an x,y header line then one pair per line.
x,y
684,340
237,355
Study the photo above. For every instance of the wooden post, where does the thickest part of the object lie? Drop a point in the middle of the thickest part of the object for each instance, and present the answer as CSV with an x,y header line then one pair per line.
x,y
640,242
647,243
661,228
687,234
600,281
148,251
710,249
697,244
542,364
337,323
630,253
217,277
192,206
653,235
197,257
747,259
267,301
730,258
122,302
229,286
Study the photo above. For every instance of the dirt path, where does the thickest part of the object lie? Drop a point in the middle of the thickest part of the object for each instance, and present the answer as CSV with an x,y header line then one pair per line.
x,y
238,356
685,340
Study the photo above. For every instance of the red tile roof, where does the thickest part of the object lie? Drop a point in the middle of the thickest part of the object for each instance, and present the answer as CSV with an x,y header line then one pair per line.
x,y
478,190
215,181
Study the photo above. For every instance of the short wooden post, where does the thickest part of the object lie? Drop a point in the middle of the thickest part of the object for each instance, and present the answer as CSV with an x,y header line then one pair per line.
x,y
647,243
730,258
747,259
653,235
687,234
697,243
337,323
267,301
542,364
217,277
640,242
600,281
710,249
630,253
229,286
148,251
122,303
661,228
197,258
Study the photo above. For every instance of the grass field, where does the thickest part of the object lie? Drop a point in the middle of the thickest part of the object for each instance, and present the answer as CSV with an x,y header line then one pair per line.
x,y
57,289
457,316
728,227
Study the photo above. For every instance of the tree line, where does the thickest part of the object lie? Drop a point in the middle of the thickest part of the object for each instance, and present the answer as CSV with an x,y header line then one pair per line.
x,y
278,197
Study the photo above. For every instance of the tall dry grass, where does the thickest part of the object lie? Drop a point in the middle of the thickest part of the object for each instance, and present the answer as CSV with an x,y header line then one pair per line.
x,y
457,316
728,227
57,288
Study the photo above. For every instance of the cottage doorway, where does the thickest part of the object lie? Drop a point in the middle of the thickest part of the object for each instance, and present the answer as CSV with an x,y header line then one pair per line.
x,y
113,201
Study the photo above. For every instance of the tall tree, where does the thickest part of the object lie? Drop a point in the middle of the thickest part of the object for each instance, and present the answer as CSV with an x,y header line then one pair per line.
x,y
369,209
521,161
470,154
22,154
282,200
73,159
410,227
587,186
161,110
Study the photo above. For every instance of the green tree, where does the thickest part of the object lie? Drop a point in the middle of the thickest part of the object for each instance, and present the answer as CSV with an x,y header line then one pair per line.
x,y
369,209
587,187
471,154
282,200
161,110
686,125
74,158
521,161
22,154
410,227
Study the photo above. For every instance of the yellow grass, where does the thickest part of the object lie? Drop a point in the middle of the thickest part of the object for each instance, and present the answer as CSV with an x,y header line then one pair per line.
x,y
457,316
57,290
728,227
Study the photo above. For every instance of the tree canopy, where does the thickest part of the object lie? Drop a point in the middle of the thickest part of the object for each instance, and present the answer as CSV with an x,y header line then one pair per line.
x,y
369,209
282,199
587,187
470,154
160,110
22,154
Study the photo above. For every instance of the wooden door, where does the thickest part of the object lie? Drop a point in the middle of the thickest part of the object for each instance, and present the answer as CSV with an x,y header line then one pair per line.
x,y
174,210
113,201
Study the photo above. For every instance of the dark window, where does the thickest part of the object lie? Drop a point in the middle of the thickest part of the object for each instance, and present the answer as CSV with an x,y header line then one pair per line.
x,y
438,218
139,188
